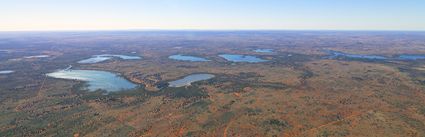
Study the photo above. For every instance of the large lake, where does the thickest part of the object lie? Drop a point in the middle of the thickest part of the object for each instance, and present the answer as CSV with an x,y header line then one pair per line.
x,y
95,79
188,58
186,81
104,57
242,58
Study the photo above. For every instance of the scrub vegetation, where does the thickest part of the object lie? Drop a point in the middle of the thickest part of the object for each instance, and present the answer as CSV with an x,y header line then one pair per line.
x,y
298,91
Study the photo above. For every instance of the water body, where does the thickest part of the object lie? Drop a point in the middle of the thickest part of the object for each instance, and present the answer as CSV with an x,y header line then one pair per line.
x,y
37,56
104,57
95,79
411,57
188,58
124,57
6,71
186,81
264,50
336,54
242,58
95,59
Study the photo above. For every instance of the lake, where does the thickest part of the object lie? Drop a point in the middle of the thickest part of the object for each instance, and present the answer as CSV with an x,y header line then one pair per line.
x,y
242,58
95,79
411,57
336,54
186,81
188,58
37,56
264,50
6,71
104,57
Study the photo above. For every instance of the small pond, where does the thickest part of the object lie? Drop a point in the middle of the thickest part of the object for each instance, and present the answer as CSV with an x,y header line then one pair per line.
x,y
264,50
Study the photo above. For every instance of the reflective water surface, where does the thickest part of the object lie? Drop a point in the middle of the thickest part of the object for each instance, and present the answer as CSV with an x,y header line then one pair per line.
x,y
188,58
336,54
264,50
95,79
37,56
6,71
104,57
186,81
411,57
242,58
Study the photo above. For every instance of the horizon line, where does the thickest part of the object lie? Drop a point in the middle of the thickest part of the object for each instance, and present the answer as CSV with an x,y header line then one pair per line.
x,y
216,30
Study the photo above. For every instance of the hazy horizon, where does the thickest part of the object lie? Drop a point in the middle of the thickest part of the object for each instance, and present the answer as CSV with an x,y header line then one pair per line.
x,y
352,15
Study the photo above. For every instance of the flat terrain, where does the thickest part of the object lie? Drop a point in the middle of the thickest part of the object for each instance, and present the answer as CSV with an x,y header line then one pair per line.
x,y
299,91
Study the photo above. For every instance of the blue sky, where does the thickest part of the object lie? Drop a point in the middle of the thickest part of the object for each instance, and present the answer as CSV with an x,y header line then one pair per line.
x,y
212,14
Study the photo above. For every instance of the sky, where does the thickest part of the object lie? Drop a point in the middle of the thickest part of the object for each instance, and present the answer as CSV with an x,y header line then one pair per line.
x,y
25,15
